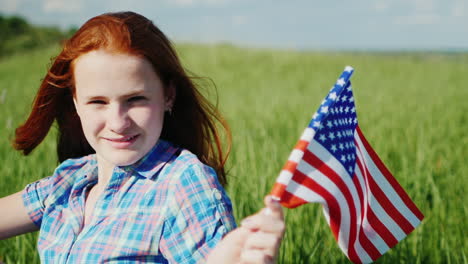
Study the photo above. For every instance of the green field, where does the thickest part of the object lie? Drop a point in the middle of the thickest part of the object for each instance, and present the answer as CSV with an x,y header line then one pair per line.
x,y
412,107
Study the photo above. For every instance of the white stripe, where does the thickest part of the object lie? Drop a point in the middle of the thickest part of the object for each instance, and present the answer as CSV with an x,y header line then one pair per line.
x,y
374,237
304,193
325,182
391,194
308,134
324,155
359,249
369,232
284,177
296,155
365,258
386,220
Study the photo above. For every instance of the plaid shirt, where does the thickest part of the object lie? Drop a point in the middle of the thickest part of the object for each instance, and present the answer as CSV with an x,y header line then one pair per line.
x,y
166,208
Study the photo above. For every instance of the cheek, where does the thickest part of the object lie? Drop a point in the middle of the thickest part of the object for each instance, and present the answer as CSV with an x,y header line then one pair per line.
x,y
150,118
92,123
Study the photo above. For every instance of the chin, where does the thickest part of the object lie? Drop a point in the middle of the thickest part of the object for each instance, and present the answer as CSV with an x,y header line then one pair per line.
x,y
124,161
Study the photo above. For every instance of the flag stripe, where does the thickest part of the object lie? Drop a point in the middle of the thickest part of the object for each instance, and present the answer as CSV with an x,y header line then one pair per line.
x,y
384,223
344,184
364,232
390,199
387,174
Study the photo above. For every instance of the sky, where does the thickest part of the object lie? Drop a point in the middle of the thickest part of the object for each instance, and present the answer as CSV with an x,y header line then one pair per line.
x,y
293,24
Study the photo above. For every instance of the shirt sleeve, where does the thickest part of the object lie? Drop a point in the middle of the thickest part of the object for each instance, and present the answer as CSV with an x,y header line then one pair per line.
x,y
200,214
34,195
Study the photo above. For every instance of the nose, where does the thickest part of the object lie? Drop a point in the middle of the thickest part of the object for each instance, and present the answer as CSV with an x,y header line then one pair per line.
x,y
118,120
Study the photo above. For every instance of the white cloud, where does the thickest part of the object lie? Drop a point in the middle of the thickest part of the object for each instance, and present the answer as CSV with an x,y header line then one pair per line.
x,y
62,6
10,6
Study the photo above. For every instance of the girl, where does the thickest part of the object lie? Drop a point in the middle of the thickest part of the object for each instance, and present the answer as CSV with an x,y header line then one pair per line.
x,y
142,164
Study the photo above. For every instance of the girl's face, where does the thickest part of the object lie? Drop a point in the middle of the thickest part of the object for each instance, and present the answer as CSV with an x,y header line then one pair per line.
x,y
121,103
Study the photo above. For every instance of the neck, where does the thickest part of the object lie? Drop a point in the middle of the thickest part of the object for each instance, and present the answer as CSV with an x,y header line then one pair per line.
x,y
105,170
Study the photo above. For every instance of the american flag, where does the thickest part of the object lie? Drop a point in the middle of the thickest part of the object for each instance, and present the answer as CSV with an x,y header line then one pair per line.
x,y
334,165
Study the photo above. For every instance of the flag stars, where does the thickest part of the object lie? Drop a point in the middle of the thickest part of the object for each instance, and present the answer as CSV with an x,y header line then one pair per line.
x,y
332,96
340,82
324,109
316,124
351,99
341,146
353,110
349,88
333,148
329,124
343,98
343,158
322,138
346,109
331,135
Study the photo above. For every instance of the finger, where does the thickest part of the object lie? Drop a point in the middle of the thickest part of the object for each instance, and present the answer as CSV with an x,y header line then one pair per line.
x,y
268,243
265,223
255,257
230,247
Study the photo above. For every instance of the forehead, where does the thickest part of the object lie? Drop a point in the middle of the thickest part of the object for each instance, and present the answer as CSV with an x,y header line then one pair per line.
x,y
102,71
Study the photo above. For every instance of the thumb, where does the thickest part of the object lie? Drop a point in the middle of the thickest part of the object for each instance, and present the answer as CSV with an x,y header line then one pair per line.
x,y
229,249
273,207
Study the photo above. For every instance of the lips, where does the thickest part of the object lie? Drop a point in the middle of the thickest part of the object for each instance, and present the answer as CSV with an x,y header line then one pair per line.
x,y
122,139
122,142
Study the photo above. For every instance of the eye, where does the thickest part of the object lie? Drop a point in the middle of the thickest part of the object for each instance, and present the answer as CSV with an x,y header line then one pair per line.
x,y
97,102
136,99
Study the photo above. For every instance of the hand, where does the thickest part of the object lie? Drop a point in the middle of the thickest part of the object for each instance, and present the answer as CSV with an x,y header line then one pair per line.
x,y
257,240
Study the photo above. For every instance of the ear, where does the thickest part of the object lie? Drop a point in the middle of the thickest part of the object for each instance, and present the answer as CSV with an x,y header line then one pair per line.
x,y
170,96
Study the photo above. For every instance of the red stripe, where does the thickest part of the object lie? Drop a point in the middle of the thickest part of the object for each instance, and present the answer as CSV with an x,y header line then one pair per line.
x,y
374,221
388,206
380,228
290,166
384,202
314,161
368,246
289,200
388,175
302,145
332,203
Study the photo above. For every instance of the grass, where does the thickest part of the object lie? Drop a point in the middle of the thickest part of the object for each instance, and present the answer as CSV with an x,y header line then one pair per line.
x,y
412,108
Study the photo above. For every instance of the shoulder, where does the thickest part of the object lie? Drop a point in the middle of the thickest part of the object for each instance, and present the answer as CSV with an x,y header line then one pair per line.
x,y
72,168
186,170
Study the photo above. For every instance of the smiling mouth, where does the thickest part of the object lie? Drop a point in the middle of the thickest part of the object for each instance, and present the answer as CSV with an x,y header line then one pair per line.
x,y
123,139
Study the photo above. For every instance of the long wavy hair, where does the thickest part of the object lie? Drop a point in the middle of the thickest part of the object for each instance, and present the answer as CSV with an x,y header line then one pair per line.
x,y
194,124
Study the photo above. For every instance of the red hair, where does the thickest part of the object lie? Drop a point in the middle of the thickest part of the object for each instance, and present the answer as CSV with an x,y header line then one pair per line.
x,y
193,124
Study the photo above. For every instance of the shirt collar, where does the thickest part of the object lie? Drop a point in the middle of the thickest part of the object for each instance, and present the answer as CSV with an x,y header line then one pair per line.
x,y
153,162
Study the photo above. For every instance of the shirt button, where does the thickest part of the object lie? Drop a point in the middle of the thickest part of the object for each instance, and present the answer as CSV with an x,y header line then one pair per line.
x,y
217,194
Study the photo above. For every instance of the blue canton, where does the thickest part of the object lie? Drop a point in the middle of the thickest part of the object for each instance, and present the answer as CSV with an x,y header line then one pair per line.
x,y
335,122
